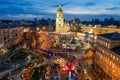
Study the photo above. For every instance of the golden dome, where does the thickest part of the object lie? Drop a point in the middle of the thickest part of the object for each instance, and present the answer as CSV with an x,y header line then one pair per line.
x,y
59,9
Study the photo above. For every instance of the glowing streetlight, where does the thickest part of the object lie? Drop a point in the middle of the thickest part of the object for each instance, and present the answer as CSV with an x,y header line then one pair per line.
x,y
37,28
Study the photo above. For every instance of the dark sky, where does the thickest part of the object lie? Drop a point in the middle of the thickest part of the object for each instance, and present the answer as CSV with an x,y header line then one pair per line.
x,y
83,9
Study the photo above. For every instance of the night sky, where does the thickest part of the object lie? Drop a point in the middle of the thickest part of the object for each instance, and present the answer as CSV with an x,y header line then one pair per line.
x,y
82,9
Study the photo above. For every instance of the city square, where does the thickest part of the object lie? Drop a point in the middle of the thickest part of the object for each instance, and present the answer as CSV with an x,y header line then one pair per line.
x,y
60,49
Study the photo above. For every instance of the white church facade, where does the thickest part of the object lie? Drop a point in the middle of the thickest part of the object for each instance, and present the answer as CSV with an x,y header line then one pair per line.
x,y
61,25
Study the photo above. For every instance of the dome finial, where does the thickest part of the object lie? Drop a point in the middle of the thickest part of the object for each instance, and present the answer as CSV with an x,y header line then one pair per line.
x,y
59,8
60,5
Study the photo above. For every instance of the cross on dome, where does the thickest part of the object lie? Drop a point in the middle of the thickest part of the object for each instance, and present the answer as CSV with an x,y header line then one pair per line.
x,y
60,5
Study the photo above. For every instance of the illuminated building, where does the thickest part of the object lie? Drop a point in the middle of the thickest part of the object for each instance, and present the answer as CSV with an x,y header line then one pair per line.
x,y
107,56
66,26
98,29
59,20
10,37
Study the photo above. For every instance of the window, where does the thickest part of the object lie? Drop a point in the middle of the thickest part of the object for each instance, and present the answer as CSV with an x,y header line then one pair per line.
x,y
103,50
5,38
116,58
112,65
98,40
59,26
106,44
7,31
103,42
100,56
59,15
113,57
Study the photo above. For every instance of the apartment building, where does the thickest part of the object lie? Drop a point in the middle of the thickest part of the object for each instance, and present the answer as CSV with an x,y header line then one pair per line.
x,y
10,36
107,56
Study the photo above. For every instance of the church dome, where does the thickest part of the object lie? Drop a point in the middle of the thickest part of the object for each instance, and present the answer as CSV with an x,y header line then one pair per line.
x,y
59,9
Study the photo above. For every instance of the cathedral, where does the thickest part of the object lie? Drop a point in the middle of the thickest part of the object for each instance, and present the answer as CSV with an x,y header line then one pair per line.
x,y
63,26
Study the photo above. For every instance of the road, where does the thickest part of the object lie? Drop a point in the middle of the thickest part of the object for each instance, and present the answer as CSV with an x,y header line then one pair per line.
x,y
16,76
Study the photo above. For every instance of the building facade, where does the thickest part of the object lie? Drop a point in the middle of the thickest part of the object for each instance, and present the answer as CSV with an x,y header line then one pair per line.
x,y
98,29
91,32
59,20
10,37
63,26
107,56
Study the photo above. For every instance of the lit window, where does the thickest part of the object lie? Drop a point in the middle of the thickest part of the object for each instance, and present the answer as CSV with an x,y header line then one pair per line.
x,y
110,55
103,51
113,57
108,45
112,65
100,56
116,58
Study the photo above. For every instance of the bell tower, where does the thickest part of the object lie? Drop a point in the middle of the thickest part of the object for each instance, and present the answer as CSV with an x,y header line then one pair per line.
x,y
59,20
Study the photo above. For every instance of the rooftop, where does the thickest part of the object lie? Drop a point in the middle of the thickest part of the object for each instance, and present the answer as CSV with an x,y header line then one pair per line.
x,y
111,36
116,50
2,26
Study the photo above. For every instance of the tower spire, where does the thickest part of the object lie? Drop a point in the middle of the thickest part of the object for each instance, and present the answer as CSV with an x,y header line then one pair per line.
x,y
60,5
59,20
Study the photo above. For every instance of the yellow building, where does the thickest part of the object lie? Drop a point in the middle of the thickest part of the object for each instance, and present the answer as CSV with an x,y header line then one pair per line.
x,y
59,20
65,26
98,29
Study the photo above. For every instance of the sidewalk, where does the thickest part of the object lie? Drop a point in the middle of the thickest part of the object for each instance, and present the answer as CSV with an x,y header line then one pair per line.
x,y
91,72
